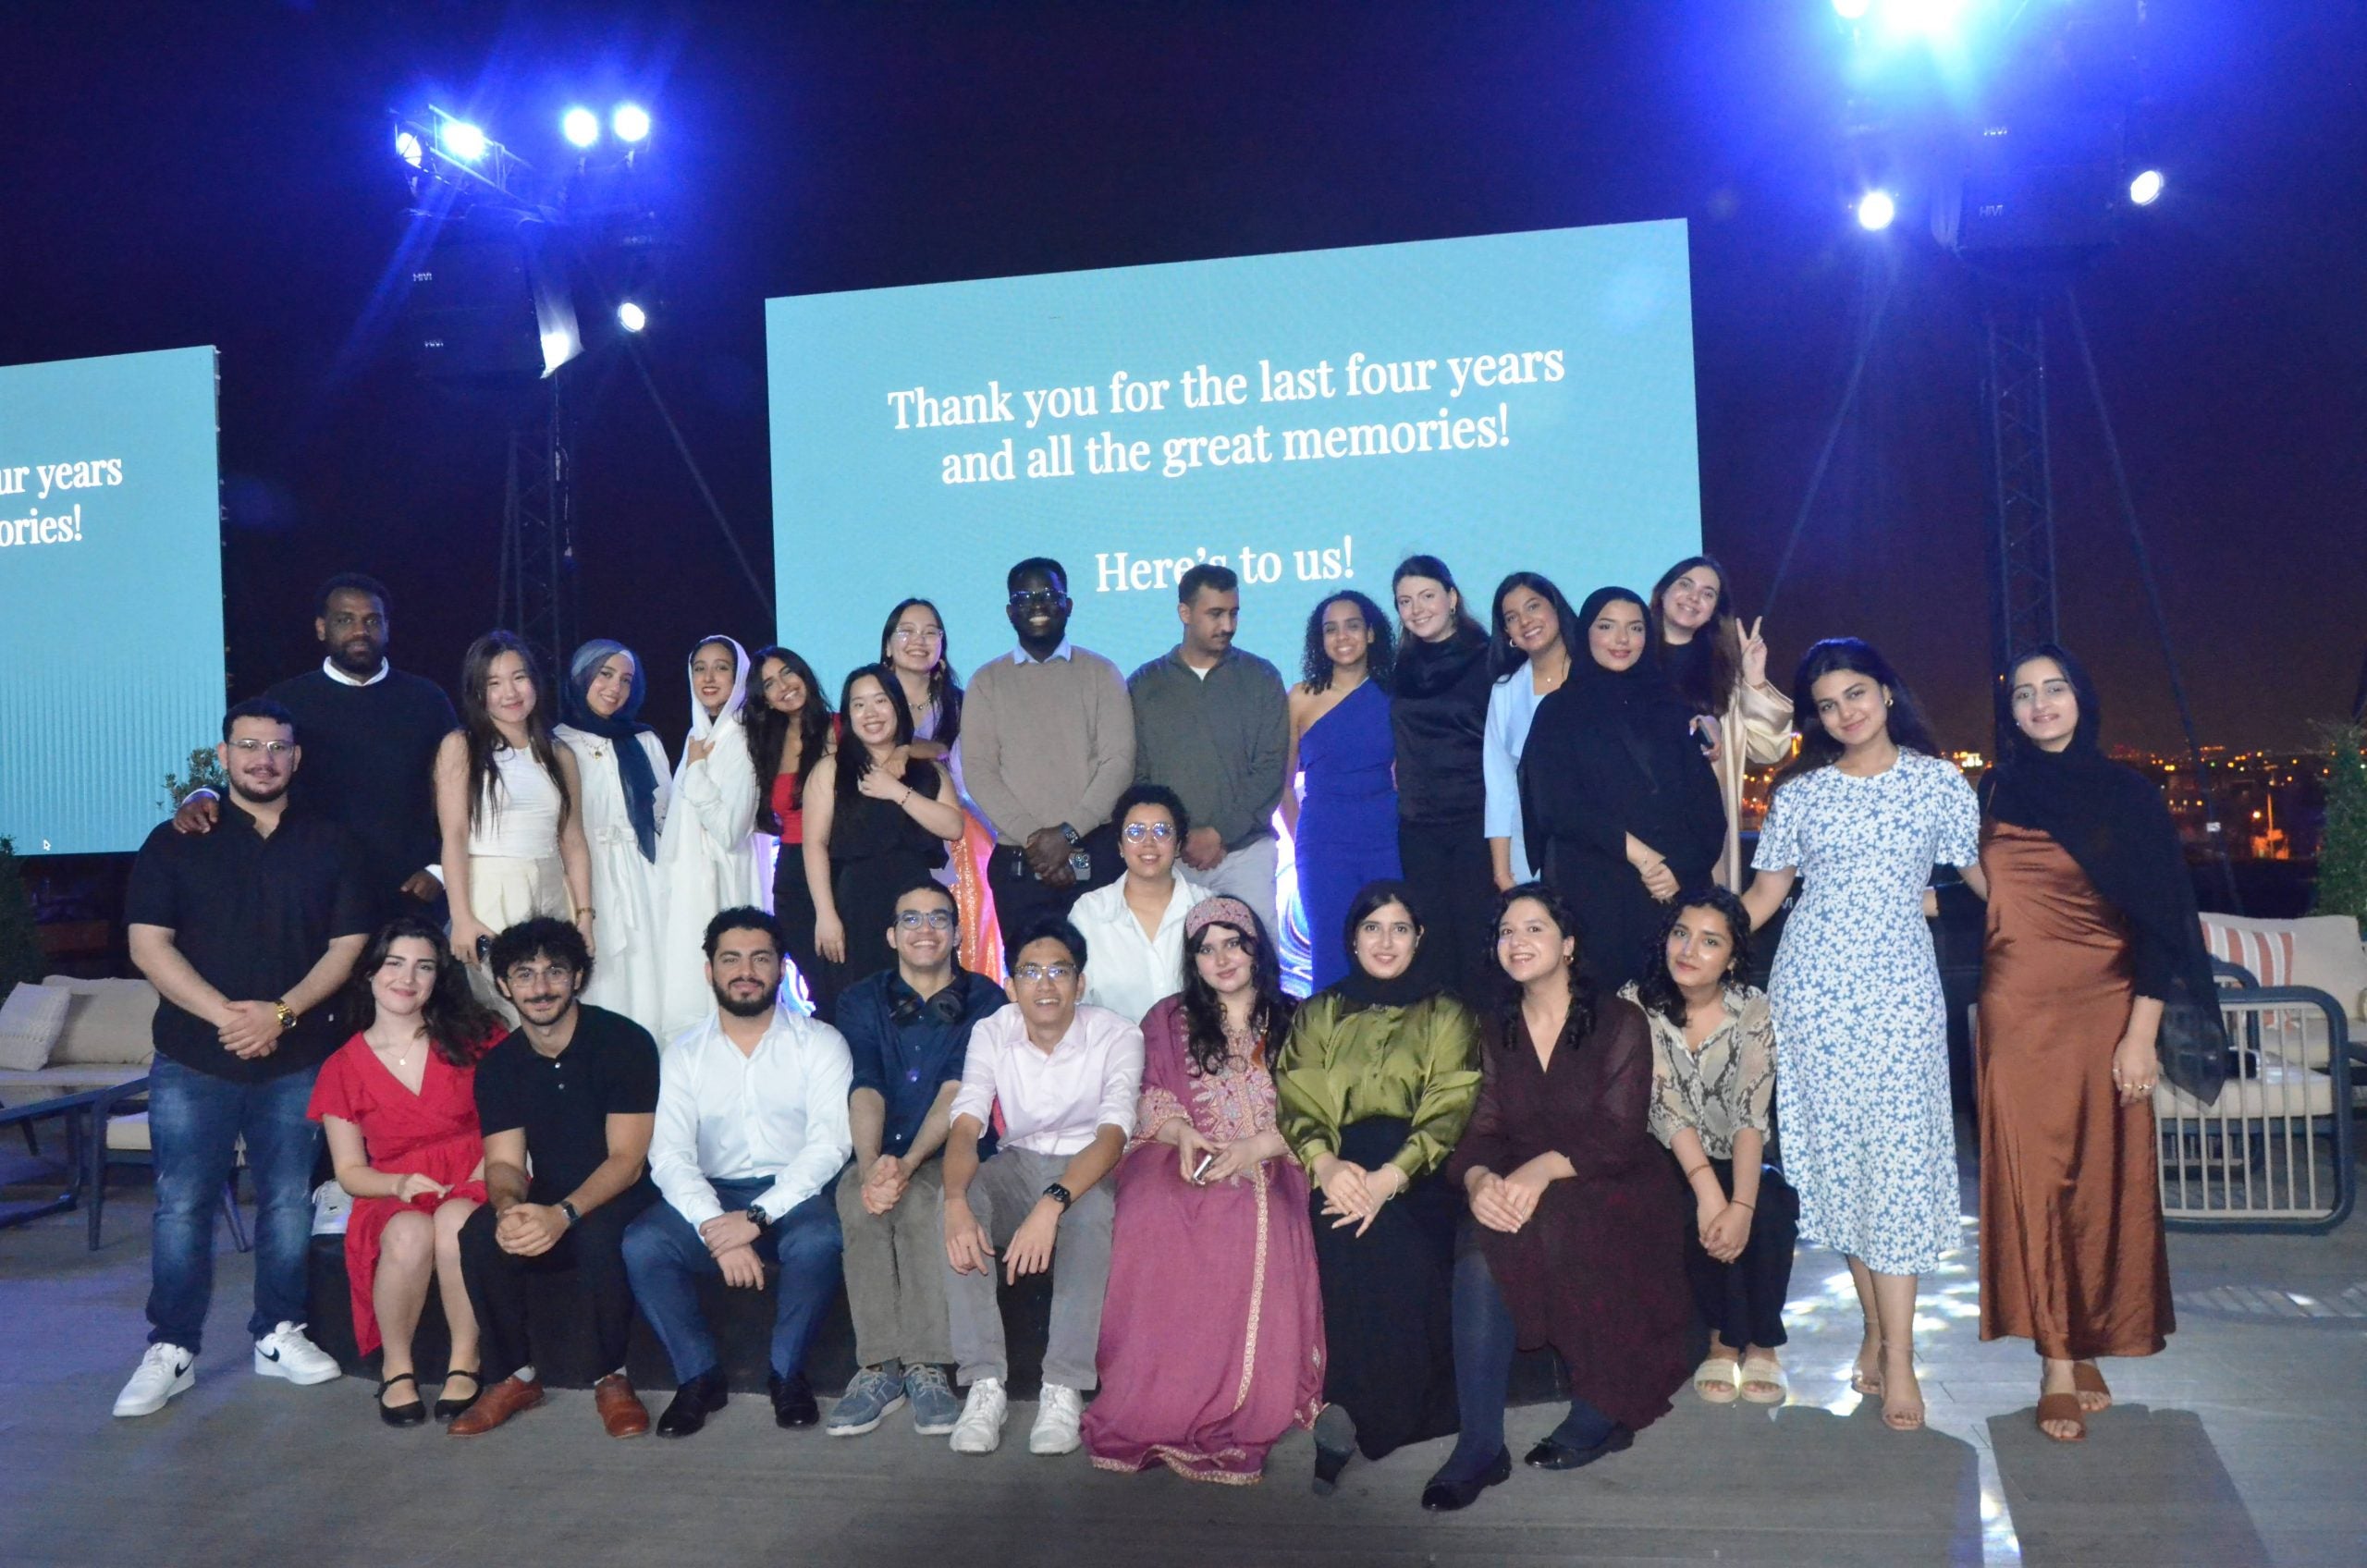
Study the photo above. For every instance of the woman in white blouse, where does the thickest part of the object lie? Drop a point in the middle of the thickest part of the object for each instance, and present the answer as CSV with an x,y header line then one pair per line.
x,y
626,789
1529,659
1133,927
706,853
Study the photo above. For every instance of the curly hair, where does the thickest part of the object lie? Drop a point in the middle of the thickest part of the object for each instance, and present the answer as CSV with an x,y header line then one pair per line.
x,y
1656,992
1203,1010
1380,659
1583,998
459,1027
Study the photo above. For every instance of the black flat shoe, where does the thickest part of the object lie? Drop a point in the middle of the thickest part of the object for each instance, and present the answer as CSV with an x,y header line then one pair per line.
x,y
1335,1444
1551,1456
694,1403
409,1414
792,1398
1446,1497
446,1408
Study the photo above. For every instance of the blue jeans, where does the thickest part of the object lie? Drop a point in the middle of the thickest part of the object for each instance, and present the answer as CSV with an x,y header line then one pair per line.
x,y
665,1258
194,1123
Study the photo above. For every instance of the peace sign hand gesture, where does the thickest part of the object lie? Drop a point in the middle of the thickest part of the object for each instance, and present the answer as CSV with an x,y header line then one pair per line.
x,y
1754,654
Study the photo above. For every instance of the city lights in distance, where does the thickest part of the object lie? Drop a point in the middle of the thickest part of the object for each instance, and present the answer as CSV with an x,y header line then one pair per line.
x,y
1875,211
630,122
632,317
463,140
2146,189
409,148
579,126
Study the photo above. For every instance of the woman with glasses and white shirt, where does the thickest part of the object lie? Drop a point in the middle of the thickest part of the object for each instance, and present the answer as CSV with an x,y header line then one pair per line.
x,y
1135,925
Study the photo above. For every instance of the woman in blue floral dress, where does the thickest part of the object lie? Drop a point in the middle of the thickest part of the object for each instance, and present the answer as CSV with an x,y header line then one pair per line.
x,y
1861,1082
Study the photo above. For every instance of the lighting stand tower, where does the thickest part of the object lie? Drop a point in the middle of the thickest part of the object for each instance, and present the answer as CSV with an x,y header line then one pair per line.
x,y
538,585
2022,532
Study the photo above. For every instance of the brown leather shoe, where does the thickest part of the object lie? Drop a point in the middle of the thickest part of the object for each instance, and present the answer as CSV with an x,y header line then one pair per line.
x,y
496,1405
622,1411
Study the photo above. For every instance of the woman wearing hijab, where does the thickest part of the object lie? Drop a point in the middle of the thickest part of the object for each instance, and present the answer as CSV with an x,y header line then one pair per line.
x,y
2092,932
706,851
1721,671
625,792
1620,807
1375,1083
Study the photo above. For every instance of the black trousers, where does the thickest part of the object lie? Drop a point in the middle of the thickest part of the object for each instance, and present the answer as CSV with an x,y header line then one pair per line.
x,y
594,1249
1021,897
1446,864
793,907
1743,1301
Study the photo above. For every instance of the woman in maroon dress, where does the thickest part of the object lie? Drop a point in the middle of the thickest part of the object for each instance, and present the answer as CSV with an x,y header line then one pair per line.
x,y
1580,1243
398,1102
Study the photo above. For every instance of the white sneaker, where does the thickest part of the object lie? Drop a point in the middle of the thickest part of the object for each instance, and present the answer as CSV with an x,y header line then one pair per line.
x,y
980,1428
1056,1419
286,1352
164,1372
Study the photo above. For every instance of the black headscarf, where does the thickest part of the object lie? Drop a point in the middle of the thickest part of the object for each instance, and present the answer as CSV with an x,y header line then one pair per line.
x,y
634,771
2115,822
1361,988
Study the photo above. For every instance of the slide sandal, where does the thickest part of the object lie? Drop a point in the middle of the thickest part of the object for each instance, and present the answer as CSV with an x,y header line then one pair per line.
x,y
2062,1407
1716,1381
1763,1373
2086,1380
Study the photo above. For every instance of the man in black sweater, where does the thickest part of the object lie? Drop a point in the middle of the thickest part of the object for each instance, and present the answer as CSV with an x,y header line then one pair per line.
x,y
370,738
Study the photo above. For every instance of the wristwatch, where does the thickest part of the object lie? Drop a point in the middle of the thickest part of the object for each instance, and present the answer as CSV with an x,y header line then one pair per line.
x,y
286,1014
567,1207
1061,1195
759,1218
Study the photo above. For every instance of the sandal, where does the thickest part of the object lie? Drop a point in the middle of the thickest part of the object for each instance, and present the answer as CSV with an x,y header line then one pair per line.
x,y
1716,1381
1764,1372
409,1414
447,1407
1862,1381
2062,1407
2086,1380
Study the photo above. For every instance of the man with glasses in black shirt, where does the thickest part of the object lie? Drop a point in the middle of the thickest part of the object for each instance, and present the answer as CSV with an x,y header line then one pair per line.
x,y
571,1094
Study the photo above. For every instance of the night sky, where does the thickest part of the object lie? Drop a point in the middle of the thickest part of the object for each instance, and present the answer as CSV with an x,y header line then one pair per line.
x,y
180,174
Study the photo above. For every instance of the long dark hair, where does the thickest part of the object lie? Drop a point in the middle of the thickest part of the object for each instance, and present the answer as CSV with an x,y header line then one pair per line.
x,y
1817,748
1580,1022
1706,684
484,737
1203,1010
1656,991
459,1027
1436,571
1381,659
944,688
766,729
854,758
1502,658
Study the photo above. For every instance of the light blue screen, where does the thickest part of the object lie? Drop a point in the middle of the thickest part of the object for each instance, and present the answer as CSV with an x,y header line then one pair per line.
x,y
1569,449
110,593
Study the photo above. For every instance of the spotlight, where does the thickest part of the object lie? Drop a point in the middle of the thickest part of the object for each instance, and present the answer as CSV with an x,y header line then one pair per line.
x,y
581,126
632,317
1875,210
558,347
2146,189
1849,10
630,122
1931,18
408,148
462,140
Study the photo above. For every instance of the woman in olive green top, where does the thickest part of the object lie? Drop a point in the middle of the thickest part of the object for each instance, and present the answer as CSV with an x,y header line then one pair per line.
x,y
1375,1083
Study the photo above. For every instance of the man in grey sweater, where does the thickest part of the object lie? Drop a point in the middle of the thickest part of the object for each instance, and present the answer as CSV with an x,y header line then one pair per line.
x,y
1047,747
1212,724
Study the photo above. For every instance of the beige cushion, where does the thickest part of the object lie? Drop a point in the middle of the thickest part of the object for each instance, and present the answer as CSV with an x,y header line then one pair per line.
x,y
2325,955
23,1088
112,1020
31,1021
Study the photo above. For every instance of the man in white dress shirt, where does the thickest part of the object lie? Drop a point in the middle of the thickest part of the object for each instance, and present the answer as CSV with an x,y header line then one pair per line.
x,y
1066,1078
752,1130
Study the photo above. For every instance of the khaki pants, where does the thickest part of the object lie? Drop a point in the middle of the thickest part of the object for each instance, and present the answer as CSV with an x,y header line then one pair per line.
x,y
895,1270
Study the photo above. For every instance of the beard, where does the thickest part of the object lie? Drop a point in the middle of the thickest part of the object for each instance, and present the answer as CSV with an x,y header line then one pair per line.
x,y
253,796
753,1007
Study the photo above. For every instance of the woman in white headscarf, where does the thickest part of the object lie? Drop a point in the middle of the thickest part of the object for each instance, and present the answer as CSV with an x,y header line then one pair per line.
x,y
706,853
625,790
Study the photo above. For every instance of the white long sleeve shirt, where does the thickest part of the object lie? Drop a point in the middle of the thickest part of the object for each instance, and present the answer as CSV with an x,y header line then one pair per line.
x,y
1053,1101
776,1112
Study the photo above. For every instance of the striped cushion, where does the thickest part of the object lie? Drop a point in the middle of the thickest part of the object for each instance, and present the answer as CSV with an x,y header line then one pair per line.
x,y
2268,954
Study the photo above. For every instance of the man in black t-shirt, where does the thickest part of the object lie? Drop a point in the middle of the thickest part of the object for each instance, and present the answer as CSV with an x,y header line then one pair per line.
x,y
245,932
571,1094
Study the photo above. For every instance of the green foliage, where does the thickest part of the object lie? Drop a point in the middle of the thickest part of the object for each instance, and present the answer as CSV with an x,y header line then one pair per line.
x,y
20,955
205,772
2342,859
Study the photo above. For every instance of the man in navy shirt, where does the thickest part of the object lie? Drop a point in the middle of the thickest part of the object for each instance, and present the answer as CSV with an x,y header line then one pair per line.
x,y
907,1029
246,932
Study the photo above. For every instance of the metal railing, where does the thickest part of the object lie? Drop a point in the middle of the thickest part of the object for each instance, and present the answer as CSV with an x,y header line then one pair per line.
x,y
2274,1150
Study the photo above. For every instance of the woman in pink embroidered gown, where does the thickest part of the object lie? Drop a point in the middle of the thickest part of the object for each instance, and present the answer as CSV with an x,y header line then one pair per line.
x,y
1213,1331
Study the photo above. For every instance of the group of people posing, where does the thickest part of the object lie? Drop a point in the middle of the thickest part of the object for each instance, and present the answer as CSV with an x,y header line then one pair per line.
x,y
1531,1041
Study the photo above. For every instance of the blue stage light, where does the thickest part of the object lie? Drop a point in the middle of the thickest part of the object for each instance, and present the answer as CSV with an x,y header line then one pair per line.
x,y
632,317
2146,189
1849,10
1875,211
1929,19
461,140
408,148
581,126
630,122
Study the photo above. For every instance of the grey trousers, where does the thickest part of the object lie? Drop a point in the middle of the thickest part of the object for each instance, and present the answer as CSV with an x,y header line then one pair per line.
x,y
1001,1195
1247,873
895,1270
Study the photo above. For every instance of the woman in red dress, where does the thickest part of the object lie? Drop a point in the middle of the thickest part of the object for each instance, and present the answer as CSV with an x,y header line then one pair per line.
x,y
398,1102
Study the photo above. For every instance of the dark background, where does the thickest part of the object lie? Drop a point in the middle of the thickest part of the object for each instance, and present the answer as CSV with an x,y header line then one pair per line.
x,y
174,174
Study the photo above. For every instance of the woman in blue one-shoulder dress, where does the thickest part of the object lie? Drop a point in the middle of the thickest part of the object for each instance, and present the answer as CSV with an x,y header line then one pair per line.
x,y
1344,826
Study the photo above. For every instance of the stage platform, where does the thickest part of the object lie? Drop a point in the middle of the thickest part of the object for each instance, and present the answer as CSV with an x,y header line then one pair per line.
x,y
2245,1443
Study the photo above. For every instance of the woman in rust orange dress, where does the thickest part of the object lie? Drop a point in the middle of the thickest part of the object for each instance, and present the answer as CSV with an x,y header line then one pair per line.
x,y
2092,930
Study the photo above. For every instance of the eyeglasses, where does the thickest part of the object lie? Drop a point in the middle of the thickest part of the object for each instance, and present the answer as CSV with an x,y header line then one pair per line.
x,y
1136,832
1034,599
920,634
924,919
556,974
273,749
1031,972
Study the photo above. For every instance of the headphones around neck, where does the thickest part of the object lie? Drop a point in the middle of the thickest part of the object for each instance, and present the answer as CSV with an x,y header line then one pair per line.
x,y
906,1007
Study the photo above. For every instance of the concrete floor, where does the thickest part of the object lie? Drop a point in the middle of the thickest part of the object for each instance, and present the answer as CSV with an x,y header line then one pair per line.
x,y
2245,1443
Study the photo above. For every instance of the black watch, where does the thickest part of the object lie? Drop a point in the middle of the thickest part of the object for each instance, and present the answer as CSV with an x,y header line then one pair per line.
x,y
759,1218
1061,1195
568,1208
